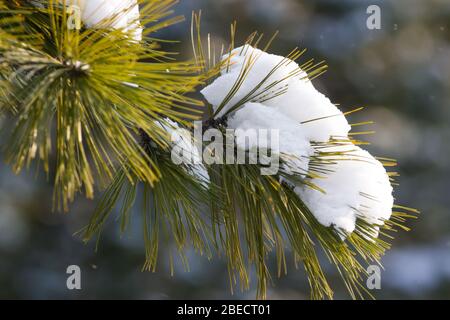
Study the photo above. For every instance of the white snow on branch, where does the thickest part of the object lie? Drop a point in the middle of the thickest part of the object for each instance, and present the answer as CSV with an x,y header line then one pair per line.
x,y
117,14
300,100
184,150
272,92
293,147
357,186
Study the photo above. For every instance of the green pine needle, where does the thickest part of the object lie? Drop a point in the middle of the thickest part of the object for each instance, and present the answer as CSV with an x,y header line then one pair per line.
x,y
171,209
87,104
83,94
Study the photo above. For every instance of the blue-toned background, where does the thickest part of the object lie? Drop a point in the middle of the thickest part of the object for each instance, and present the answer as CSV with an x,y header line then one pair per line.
x,y
401,73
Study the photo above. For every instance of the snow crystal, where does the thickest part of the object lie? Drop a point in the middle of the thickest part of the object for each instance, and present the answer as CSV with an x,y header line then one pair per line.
x,y
301,101
358,186
118,14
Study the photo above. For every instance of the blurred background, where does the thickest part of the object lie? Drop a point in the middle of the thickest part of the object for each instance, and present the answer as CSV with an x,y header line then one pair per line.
x,y
400,72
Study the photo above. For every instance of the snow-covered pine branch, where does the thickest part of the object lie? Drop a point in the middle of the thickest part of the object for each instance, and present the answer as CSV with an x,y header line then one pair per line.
x,y
184,151
355,185
117,14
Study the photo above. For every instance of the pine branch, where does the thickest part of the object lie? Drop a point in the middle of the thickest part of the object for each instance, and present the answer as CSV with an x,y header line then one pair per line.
x,y
252,215
171,209
92,90
106,105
